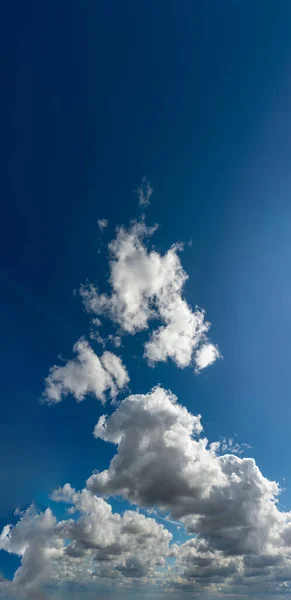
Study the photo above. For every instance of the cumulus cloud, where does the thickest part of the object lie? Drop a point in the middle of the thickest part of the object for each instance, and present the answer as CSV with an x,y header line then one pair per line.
x,y
206,355
148,286
102,224
34,539
144,192
163,462
98,545
154,465
86,374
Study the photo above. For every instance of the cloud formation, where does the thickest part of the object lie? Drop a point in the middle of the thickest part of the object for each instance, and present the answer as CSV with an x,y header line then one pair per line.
x,y
86,374
148,286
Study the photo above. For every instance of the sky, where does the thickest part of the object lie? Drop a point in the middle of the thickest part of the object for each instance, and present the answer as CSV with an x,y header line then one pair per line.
x,y
145,300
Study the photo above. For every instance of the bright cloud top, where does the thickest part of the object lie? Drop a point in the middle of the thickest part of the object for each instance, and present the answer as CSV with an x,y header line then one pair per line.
x,y
147,285
86,374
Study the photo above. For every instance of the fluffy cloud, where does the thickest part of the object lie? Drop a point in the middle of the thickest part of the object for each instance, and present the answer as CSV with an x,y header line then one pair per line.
x,y
98,545
34,539
86,374
206,355
147,285
163,462
158,462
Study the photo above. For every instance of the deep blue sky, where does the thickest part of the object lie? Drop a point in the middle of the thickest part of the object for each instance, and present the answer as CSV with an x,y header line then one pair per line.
x,y
196,95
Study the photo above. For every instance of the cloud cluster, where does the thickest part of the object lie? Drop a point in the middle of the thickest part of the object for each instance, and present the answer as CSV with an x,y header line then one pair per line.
x,y
98,545
86,374
145,286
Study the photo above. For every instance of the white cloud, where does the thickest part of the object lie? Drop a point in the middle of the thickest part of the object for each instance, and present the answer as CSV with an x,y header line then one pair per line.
x,y
144,192
182,333
102,224
115,340
96,322
206,355
115,368
34,539
86,374
231,446
145,286
94,332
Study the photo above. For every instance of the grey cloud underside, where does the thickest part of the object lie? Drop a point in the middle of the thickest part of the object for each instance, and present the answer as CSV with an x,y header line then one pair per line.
x,y
147,286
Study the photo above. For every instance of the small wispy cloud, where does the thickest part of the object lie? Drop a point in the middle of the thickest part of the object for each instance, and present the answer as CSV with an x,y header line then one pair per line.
x,y
144,192
230,446
102,224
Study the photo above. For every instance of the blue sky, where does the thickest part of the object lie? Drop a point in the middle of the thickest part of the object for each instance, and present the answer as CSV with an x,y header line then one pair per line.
x,y
196,96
